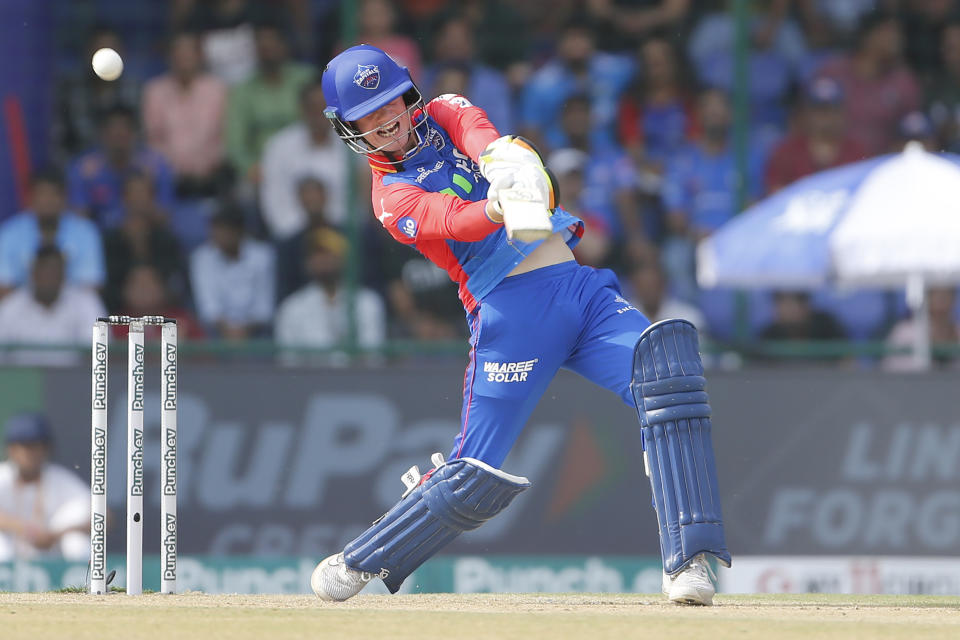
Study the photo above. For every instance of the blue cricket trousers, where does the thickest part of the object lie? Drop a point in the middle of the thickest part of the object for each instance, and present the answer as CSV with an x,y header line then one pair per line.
x,y
524,331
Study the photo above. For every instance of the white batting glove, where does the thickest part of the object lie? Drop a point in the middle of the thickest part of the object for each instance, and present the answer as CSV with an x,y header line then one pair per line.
x,y
525,199
505,155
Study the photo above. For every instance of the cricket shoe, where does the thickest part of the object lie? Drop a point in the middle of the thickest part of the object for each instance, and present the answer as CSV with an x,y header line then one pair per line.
x,y
334,581
693,585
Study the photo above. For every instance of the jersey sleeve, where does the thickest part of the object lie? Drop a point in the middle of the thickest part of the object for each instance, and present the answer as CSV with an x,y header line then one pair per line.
x,y
412,214
467,125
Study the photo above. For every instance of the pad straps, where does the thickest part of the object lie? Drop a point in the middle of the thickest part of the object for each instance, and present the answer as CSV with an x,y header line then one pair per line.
x,y
668,387
459,496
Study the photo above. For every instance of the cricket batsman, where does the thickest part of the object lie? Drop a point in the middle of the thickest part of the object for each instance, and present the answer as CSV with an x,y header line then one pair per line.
x,y
483,207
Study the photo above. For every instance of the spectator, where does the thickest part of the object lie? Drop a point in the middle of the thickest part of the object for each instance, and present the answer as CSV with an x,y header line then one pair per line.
x,y
312,198
455,48
142,237
700,190
879,88
570,166
625,22
233,280
576,69
820,143
648,290
305,149
943,90
145,294
184,113
264,104
83,97
923,24
655,120
796,319
95,180
48,223
44,507
316,315
829,24
777,57
944,330
378,27
502,29
608,179
227,28
657,117
423,301
48,311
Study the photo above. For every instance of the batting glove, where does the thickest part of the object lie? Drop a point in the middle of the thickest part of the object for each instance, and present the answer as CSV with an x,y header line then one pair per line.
x,y
505,155
526,200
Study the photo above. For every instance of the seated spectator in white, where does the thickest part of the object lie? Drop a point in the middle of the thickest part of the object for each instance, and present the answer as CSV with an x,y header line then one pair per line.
x,y
233,279
47,222
306,149
648,290
48,311
44,507
184,113
227,30
944,330
95,180
317,316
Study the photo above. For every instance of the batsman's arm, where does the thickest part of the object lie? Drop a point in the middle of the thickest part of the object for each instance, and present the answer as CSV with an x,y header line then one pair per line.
x,y
467,125
411,214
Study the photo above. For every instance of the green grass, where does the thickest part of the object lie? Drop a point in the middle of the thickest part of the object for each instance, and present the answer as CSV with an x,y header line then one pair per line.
x,y
494,616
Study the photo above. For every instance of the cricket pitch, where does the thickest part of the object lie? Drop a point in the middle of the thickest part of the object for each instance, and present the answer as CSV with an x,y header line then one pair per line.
x,y
520,616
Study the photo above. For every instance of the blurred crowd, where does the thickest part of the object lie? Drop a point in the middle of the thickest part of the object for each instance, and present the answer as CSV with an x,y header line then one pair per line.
x,y
207,185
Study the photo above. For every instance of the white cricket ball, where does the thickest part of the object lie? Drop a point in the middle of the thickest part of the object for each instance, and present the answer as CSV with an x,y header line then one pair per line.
x,y
107,64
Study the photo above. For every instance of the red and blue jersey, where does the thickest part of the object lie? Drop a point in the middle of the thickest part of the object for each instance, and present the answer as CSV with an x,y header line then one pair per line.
x,y
435,201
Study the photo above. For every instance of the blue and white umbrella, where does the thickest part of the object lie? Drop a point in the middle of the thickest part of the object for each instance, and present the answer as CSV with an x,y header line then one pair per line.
x,y
892,221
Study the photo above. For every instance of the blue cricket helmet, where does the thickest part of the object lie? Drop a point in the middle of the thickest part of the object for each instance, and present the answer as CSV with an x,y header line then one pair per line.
x,y
357,82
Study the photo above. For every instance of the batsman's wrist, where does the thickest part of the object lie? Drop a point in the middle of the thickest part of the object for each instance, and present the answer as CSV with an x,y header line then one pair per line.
x,y
493,212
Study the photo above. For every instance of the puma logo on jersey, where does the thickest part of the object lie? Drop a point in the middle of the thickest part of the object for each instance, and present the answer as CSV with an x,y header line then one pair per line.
x,y
509,371
384,214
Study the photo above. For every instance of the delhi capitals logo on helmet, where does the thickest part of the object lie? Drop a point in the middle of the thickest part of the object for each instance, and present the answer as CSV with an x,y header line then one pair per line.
x,y
367,76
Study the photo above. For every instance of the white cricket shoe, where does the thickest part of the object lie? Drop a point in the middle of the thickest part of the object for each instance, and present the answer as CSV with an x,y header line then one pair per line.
x,y
693,585
334,581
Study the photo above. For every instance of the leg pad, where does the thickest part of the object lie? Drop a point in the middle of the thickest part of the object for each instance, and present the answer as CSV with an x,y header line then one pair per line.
x,y
668,387
459,496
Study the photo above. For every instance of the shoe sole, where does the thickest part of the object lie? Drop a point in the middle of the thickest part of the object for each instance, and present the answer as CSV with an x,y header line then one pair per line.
x,y
692,600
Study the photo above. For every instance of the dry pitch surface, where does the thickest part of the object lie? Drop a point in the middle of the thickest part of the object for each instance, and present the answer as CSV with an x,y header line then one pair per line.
x,y
523,616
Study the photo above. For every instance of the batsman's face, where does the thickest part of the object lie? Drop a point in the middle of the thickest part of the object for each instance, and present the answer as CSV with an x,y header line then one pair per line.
x,y
388,128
